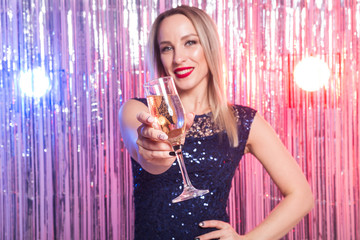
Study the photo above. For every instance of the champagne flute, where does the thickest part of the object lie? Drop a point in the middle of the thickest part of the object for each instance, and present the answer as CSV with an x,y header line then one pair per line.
x,y
165,106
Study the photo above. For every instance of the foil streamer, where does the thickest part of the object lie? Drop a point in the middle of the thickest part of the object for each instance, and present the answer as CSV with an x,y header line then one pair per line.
x,y
64,171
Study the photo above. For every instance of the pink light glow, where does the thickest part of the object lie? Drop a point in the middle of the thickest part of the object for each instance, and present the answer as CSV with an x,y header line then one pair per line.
x,y
311,74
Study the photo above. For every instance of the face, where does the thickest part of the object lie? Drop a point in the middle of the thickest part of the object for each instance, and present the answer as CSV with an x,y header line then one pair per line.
x,y
181,53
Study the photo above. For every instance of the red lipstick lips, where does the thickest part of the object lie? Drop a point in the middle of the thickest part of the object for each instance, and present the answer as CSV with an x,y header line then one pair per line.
x,y
183,72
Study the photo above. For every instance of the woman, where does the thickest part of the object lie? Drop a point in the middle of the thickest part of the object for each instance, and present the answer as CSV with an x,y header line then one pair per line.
x,y
184,44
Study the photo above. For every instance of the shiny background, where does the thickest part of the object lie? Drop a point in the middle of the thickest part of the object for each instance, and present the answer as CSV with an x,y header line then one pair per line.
x,y
64,172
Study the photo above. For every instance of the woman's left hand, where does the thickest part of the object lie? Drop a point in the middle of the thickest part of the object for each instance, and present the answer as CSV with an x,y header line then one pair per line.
x,y
225,231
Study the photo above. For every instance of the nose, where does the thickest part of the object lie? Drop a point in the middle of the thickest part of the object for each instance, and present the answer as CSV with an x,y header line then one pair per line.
x,y
179,57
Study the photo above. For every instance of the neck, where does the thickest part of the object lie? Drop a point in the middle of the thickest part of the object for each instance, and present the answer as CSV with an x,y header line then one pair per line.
x,y
196,103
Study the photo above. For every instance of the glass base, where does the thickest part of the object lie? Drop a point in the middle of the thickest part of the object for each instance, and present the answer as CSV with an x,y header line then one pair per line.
x,y
188,193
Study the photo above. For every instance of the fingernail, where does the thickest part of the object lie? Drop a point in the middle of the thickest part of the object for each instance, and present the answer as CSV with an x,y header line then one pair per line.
x,y
192,115
150,119
172,154
162,136
197,238
201,224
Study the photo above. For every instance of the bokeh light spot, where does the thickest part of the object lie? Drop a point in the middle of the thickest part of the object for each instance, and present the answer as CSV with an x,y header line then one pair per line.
x,y
311,74
34,83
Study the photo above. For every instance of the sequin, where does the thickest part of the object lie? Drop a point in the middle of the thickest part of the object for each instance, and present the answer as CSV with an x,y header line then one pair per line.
x,y
211,166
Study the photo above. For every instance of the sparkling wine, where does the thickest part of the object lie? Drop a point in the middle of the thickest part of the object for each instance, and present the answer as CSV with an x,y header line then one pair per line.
x,y
169,114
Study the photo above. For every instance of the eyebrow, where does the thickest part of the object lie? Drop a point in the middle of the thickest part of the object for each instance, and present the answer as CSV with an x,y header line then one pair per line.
x,y
182,38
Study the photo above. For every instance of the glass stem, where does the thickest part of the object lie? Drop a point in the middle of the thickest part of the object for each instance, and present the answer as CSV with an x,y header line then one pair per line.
x,y
180,159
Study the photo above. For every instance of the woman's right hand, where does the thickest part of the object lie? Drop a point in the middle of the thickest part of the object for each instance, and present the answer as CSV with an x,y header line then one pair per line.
x,y
154,150
152,144
145,142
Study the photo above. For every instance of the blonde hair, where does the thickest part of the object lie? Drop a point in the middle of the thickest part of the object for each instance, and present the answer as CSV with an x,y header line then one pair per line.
x,y
222,112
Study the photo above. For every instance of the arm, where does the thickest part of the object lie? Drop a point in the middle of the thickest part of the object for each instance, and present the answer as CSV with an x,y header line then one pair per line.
x,y
287,175
265,145
146,144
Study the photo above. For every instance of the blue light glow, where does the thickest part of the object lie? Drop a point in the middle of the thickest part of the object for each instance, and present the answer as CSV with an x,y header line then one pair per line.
x,y
34,83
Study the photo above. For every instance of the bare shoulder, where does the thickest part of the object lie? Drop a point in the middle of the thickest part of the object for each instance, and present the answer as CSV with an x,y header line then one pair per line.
x,y
260,132
264,143
260,128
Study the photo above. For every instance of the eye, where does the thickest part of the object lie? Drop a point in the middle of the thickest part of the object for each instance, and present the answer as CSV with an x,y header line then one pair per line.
x,y
166,49
190,42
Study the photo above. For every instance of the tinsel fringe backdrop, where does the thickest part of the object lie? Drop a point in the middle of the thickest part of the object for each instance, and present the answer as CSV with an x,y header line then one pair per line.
x,y
67,66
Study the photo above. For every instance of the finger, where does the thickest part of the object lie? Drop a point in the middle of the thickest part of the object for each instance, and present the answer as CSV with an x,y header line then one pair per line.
x,y
157,157
152,145
214,224
145,117
152,133
211,235
189,119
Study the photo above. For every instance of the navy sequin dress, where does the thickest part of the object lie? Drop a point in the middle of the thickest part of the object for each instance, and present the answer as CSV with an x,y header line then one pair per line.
x,y
211,164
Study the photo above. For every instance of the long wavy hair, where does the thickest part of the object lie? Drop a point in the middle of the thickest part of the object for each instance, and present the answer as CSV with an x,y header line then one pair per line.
x,y
222,112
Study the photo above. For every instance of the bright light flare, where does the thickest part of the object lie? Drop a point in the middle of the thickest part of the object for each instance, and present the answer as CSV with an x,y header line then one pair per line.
x,y
34,83
311,74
